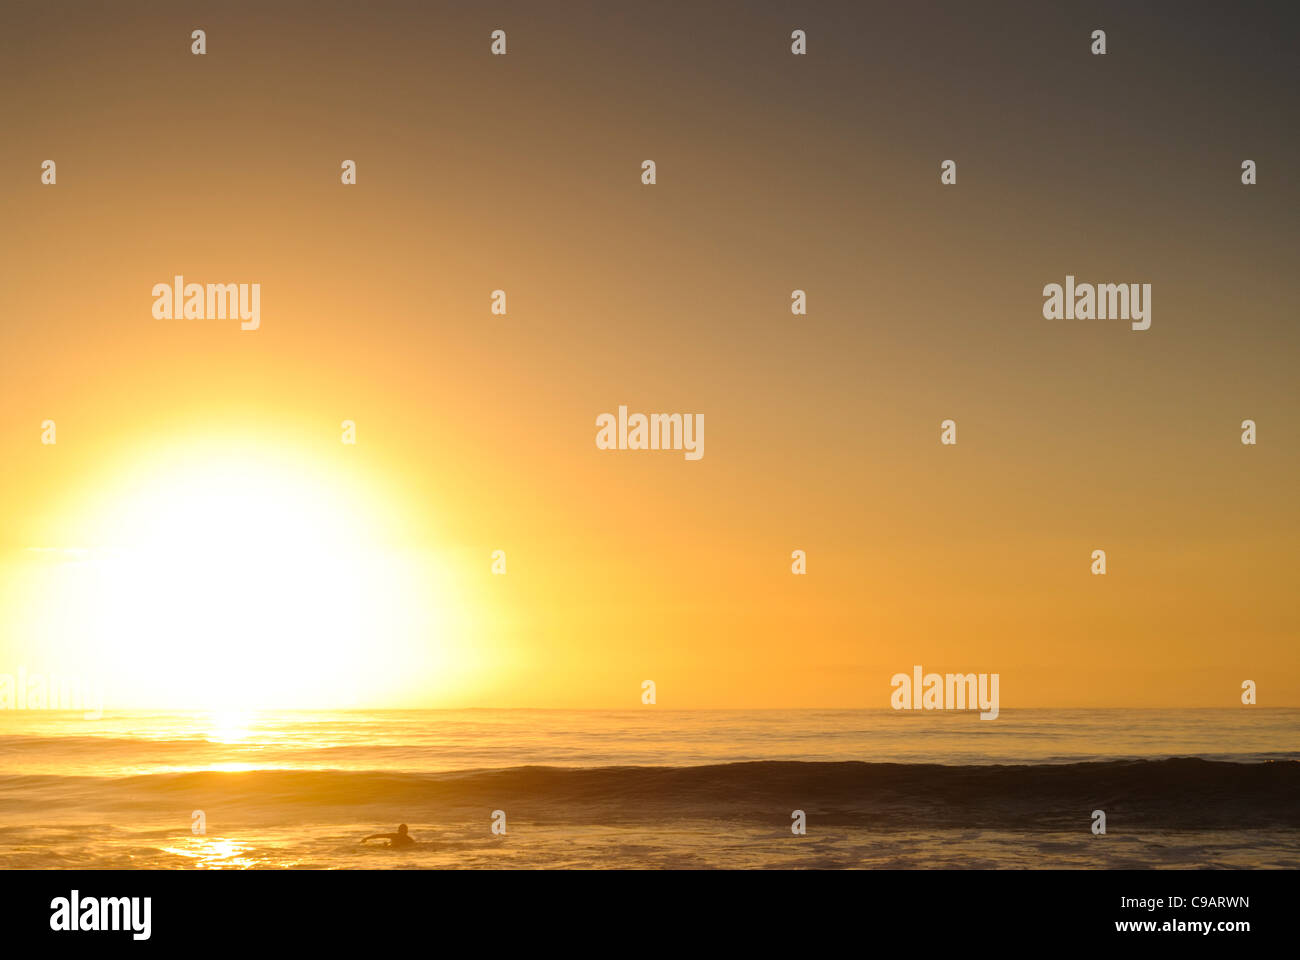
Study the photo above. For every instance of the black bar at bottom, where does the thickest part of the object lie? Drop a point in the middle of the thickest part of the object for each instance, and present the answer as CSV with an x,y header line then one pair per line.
x,y
608,911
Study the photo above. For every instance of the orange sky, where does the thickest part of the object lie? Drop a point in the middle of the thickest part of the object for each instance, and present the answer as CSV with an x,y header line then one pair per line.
x,y
475,432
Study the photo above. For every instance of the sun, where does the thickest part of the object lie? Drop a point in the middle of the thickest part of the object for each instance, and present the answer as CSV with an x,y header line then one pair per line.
x,y
233,579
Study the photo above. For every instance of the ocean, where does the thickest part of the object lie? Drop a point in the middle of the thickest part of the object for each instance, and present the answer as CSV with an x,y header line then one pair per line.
x,y
651,788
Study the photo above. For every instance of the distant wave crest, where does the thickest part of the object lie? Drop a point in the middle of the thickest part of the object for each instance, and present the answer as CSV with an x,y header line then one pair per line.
x,y
1171,793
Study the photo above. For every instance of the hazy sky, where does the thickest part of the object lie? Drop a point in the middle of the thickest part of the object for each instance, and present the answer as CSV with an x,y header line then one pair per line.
x,y
222,528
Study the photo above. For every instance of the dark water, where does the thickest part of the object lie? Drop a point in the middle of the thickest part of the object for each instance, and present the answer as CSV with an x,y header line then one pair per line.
x,y
627,789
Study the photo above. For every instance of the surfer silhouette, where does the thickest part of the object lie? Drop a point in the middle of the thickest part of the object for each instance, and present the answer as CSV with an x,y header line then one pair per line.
x,y
399,839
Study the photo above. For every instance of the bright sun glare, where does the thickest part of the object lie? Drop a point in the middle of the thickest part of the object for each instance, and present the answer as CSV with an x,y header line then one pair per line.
x,y
227,583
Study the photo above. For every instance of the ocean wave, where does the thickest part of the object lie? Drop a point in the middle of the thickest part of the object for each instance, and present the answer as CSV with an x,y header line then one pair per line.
x,y
1176,793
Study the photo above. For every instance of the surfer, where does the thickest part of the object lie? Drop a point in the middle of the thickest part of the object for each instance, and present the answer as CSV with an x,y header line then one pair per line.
x,y
399,839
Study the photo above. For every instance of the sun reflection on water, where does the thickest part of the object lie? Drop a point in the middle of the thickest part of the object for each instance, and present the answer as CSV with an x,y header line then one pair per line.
x,y
230,726
214,853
